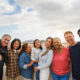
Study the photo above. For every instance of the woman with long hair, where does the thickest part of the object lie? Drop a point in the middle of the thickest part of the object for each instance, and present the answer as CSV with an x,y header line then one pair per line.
x,y
45,59
35,56
12,58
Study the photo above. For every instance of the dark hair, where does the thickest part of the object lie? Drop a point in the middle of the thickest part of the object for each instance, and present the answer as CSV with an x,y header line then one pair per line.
x,y
6,35
51,46
51,41
35,42
78,31
14,42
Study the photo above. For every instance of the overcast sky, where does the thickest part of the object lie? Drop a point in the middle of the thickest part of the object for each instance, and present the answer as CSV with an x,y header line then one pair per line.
x,y
31,19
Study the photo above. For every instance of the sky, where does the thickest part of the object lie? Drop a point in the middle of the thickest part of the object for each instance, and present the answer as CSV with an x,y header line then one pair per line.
x,y
39,19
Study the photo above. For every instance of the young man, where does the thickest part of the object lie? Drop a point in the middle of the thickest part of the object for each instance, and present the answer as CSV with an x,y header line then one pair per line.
x,y
3,49
74,53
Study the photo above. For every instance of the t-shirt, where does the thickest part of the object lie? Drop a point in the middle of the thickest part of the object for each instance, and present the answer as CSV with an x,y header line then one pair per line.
x,y
75,57
60,64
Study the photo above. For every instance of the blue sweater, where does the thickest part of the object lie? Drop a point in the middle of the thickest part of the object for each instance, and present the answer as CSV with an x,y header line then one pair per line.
x,y
75,57
24,59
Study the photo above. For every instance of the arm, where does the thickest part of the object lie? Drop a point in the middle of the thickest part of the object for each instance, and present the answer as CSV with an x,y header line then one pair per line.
x,y
30,64
0,57
68,56
22,62
1,61
32,55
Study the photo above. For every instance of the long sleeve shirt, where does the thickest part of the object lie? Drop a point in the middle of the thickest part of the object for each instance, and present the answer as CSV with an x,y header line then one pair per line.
x,y
24,60
46,60
35,54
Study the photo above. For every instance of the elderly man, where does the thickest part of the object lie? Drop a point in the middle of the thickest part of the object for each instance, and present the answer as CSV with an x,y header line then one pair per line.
x,y
4,41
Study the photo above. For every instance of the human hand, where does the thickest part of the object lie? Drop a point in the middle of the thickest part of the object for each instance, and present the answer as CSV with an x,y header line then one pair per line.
x,y
0,57
36,61
30,64
35,69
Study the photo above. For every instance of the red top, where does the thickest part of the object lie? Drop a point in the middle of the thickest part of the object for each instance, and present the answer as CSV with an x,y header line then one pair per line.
x,y
60,63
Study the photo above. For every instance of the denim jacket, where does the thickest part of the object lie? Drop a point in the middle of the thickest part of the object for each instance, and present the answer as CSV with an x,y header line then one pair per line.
x,y
24,59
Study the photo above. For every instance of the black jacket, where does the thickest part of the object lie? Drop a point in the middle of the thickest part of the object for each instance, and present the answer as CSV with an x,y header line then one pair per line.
x,y
3,51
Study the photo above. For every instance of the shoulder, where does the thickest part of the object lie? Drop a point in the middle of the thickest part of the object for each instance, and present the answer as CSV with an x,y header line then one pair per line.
x,y
23,54
66,48
50,51
10,51
78,43
33,49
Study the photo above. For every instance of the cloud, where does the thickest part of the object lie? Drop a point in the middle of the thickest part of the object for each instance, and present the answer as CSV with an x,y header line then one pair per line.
x,y
5,7
58,12
40,18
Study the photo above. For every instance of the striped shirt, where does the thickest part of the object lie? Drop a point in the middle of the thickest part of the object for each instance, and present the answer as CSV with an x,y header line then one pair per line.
x,y
12,64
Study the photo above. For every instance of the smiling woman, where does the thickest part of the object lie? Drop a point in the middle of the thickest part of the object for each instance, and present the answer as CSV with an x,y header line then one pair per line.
x,y
61,61
12,60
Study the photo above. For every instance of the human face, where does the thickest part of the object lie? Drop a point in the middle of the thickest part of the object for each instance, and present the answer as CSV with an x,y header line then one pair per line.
x,y
28,49
37,44
5,41
16,45
69,38
48,43
56,43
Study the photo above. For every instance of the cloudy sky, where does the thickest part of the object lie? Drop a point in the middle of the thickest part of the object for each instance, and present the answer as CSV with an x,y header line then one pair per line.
x,y
31,19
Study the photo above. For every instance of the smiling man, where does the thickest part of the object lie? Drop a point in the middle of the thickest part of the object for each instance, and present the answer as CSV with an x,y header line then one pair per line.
x,y
3,49
74,53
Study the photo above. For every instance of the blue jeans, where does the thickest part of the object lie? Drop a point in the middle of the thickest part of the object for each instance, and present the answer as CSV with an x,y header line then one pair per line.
x,y
60,77
38,71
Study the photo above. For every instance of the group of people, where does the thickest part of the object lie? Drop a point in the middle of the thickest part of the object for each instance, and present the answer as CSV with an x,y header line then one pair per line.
x,y
23,61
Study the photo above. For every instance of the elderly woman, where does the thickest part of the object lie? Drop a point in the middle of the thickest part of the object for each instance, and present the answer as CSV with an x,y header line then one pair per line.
x,y
60,63
25,62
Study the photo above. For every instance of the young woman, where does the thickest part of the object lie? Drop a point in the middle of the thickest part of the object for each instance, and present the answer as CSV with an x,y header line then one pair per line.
x,y
25,62
35,56
61,60
12,60
45,59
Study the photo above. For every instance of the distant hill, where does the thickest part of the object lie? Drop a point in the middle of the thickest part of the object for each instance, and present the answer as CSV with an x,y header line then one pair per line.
x,y
31,41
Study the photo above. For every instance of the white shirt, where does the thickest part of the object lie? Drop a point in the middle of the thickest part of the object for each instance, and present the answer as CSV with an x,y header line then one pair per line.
x,y
46,60
35,54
